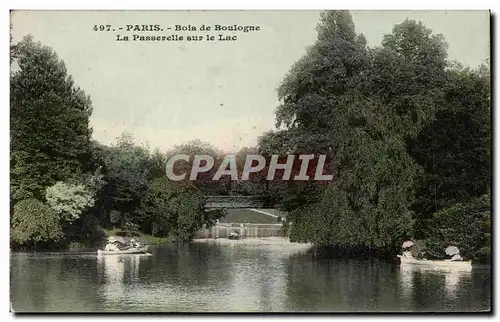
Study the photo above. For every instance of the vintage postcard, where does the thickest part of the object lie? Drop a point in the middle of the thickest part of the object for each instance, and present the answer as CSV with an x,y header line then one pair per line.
x,y
250,161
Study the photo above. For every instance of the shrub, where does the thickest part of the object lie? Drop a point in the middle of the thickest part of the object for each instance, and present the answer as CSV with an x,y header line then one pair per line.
x,y
129,229
69,201
33,222
465,225
159,240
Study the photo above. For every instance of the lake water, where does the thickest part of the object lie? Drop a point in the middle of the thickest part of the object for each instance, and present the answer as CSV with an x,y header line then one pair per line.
x,y
252,275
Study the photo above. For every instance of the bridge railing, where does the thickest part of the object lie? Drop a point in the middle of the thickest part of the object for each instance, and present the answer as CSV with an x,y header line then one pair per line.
x,y
233,202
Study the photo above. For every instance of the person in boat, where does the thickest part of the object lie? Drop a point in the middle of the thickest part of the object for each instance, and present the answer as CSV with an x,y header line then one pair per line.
x,y
406,249
134,243
407,253
456,257
111,247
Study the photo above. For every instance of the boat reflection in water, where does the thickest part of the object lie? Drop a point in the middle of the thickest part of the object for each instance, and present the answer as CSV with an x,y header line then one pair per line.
x,y
407,280
452,279
409,274
119,271
113,268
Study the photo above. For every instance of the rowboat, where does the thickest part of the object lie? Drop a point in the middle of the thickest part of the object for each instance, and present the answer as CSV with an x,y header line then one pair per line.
x,y
448,264
130,251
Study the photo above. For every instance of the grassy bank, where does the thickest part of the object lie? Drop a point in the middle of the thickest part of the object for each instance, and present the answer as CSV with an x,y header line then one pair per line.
x,y
247,216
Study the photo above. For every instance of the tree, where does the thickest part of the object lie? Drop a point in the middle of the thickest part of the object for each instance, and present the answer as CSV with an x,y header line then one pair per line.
x,y
358,106
34,222
408,74
255,184
311,95
129,229
44,102
85,229
128,173
158,162
156,208
204,179
454,150
173,209
69,201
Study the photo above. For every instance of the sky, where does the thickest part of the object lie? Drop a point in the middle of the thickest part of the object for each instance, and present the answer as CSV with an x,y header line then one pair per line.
x,y
220,92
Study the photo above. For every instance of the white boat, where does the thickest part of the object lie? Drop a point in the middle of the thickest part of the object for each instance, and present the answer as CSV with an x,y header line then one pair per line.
x,y
140,250
462,265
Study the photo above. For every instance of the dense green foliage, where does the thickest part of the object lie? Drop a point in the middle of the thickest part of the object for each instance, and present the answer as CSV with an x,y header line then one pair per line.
x,y
51,158
407,134
358,105
34,222
68,201
465,225
172,209
65,186
454,150
49,122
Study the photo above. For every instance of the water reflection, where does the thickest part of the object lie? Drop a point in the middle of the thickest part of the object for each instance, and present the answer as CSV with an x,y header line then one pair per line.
x,y
119,272
452,280
240,276
332,285
113,268
430,288
406,278
54,283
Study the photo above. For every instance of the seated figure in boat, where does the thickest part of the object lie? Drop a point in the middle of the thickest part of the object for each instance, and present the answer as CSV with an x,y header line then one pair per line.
x,y
111,247
134,243
407,254
456,257
454,252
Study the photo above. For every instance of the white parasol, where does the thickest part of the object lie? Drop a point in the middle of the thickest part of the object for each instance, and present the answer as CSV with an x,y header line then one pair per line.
x,y
408,244
452,250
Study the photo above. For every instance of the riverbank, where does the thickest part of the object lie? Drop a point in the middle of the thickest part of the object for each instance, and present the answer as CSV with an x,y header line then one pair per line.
x,y
278,244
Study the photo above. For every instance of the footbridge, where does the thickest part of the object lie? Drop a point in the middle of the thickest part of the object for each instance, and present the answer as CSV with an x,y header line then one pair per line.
x,y
256,205
235,202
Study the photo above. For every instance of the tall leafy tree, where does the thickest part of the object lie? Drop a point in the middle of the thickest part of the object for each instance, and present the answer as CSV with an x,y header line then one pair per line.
x,y
312,94
455,149
50,132
128,174
407,75
351,103
173,209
